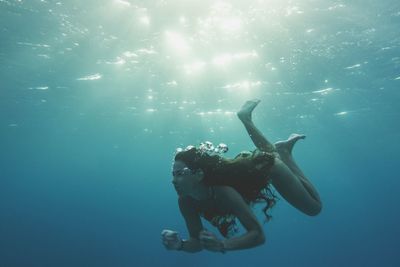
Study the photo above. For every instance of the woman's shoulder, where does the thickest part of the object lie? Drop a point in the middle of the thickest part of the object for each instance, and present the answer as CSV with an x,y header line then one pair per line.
x,y
231,202
223,190
226,195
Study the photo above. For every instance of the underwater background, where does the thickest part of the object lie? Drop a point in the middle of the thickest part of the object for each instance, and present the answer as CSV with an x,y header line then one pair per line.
x,y
95,97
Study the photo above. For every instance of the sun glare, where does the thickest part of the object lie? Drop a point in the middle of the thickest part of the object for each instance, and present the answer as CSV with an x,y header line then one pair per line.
x,y
145,20
177,42
195,67
122,3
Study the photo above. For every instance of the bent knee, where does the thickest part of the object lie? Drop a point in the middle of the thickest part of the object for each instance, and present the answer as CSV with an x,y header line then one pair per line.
x,y
314,211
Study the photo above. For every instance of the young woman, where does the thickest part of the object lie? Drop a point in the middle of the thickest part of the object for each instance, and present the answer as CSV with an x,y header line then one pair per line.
x,y
221,189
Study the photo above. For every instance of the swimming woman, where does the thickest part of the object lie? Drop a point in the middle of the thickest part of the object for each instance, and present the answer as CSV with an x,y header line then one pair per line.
x,y
221,189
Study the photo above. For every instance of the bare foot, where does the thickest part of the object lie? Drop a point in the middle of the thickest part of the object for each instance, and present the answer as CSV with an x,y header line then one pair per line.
x,y
287,146
245,112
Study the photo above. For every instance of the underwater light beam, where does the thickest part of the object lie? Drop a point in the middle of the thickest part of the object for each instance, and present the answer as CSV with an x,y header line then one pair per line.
x,y
177,42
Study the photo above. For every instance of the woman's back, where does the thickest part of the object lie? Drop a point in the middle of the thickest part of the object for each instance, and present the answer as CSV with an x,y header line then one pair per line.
x,y
247,173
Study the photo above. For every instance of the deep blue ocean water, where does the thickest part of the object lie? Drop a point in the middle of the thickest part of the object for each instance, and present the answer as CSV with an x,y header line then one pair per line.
x,y
95,96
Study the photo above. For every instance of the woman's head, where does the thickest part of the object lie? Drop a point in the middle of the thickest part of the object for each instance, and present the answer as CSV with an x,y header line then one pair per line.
x,y
185,180
191,168
191,156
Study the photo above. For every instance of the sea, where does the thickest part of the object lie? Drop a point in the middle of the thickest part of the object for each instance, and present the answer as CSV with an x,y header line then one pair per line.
x,y
96,97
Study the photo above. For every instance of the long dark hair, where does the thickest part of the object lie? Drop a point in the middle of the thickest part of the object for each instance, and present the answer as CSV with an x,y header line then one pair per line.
x,y
221,171
196,159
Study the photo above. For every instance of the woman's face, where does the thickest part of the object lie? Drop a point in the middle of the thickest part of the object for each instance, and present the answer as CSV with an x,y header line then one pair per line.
x,y
184,180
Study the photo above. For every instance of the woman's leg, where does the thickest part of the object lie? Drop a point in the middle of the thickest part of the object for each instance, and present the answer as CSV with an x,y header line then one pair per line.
x,y
293,189
284,148
287,177
256,136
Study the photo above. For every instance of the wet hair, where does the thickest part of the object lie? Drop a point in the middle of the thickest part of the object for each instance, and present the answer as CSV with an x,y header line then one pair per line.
x,y
222,171
191,157
195,159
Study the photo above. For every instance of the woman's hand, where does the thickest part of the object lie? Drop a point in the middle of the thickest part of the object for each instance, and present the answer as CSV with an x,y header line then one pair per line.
x,y
210,242
171,240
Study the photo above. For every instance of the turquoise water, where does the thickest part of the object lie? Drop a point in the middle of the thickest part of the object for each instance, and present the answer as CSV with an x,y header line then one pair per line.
x,y
97,95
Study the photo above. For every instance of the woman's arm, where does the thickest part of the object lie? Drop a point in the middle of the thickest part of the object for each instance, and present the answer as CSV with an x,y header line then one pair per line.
x,y
193,224
232,201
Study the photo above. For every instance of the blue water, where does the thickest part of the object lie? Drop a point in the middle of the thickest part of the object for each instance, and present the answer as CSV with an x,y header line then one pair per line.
x,y
97,95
